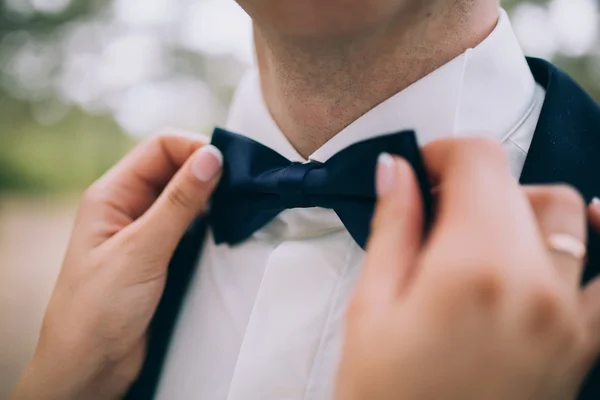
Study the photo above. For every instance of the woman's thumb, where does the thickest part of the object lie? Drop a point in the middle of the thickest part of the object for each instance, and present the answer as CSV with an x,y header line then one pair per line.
x,y
185,197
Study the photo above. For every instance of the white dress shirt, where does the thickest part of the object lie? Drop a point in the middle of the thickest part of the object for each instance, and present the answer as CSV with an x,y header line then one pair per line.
x,y
262,320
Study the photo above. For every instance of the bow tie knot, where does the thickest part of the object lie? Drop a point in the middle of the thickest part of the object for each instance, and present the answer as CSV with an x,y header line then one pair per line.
x,y
291,188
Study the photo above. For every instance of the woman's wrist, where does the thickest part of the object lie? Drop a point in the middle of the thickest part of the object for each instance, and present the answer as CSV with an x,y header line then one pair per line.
x,y
38,382
50,379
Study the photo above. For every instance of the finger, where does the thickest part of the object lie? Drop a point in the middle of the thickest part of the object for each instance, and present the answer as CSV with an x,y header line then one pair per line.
x,y
396,231
560,210
160,229
479,205
594,213
130,187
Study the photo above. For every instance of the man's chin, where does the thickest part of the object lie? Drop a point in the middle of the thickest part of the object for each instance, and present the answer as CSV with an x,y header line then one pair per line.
x,y
321,18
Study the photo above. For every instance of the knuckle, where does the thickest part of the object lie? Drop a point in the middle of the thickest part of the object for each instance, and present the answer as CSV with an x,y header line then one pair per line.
x,y
154,143
545,310
487,147
567,199
481,150
470,284
157,140
93,195
560,198
159,144
179,198
477,282
486,285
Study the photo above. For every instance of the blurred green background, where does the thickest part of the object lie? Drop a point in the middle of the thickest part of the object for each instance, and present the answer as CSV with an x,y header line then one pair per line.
x,y
81,81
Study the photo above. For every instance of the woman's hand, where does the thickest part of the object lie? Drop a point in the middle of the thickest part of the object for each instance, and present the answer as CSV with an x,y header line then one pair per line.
x,y
482,309
92,342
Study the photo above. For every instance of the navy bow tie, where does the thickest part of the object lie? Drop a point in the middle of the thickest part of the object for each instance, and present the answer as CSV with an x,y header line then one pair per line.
x,y
258,184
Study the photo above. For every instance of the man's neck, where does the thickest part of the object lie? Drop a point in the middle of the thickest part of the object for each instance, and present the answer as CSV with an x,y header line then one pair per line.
x,y
315,87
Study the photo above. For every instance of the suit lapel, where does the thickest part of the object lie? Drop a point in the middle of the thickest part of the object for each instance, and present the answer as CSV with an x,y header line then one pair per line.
x,y
566,144
566,149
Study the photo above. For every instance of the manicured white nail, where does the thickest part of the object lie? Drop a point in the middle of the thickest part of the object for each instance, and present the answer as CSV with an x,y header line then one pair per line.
x,y
207,163
386,174
596,202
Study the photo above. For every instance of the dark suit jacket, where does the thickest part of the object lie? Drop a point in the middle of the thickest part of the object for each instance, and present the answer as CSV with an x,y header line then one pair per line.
x,y
565,149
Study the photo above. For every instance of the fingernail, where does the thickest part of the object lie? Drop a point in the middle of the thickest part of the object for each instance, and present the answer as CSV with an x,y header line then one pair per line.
x,y
207,163
596,202
386,174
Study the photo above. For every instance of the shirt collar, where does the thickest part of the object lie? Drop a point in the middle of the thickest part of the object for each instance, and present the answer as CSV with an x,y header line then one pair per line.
x,y
488,90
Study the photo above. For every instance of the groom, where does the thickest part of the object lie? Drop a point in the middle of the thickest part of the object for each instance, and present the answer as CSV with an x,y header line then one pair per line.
x,y
262,319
